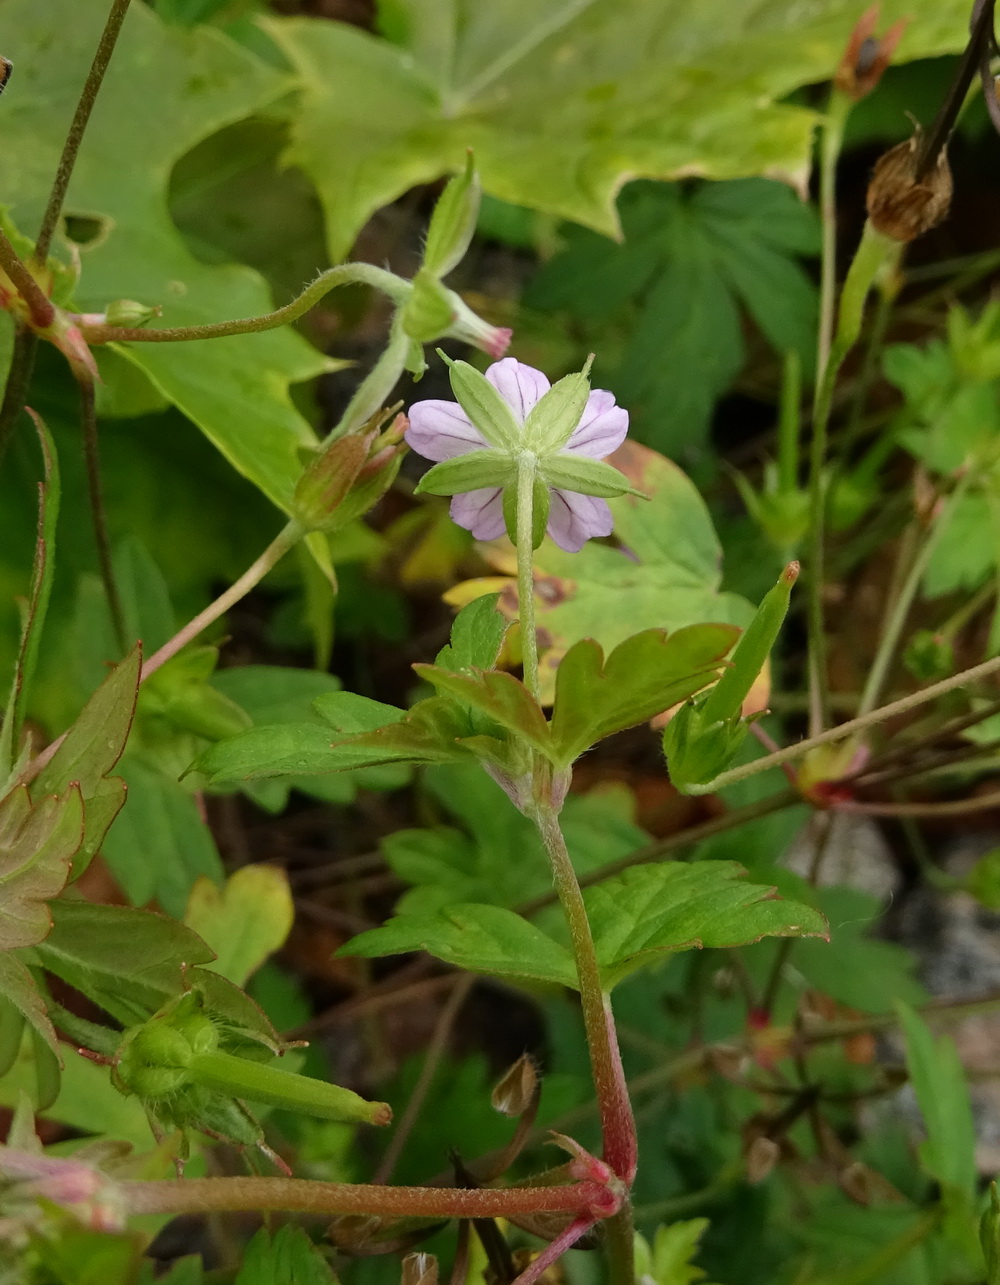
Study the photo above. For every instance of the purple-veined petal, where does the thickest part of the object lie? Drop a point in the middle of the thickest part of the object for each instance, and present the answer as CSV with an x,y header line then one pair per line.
x,y
520,386
574,519
480,512
602,427
441,430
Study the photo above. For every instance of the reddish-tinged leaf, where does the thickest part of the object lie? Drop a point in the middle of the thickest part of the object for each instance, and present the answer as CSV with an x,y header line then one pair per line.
x,y
37,844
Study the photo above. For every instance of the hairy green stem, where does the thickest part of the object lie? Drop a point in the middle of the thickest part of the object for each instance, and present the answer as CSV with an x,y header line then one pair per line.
x,y
95,492
345,274
71,148
374,390
302,1195
875,254
526,573
40,307
617,1122
902,706
285,540
899,608
832,136
685,838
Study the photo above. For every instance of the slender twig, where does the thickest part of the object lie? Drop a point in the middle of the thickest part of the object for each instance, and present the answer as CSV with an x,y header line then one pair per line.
x,y
40,307
824,824
344,274
71,148
92,460
936,138
432,1060
892,710
952,808
899,608
286,539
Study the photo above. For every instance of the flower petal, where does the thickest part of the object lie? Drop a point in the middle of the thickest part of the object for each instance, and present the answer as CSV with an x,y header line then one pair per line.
x,y
602,427
574,519
441,430
520,386
480,512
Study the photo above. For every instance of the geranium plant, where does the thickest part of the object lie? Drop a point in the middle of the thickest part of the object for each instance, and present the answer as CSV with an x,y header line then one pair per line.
x,y
156,1004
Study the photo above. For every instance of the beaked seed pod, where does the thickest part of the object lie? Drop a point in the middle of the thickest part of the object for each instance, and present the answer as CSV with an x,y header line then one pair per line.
x,y
902,206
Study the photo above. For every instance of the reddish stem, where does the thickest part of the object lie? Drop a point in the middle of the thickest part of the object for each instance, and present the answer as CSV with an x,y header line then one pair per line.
x,y
301,1195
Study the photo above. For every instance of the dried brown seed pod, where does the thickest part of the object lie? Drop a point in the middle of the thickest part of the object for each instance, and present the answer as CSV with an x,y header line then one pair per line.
x,y
902,206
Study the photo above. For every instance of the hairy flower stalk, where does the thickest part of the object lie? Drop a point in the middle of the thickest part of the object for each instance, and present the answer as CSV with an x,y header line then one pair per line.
x,y
522,456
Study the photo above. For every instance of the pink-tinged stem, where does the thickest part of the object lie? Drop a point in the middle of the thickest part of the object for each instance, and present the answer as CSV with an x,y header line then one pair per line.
x,y
395,287
617,1121
300,1195
285,540
565,1240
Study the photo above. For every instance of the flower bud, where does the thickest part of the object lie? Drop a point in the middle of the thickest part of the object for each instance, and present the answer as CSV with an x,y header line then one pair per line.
x,y
453,222
901,205
126,312
349,477
327,479
468,327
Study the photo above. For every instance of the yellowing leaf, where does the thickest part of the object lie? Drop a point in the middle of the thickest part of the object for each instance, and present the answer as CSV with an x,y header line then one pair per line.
x,y
244,921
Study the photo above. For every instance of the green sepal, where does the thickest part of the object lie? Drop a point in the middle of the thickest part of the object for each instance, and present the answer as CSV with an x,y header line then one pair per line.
x,y
586,476
697,750
484,405
725,701
427,313
540,502
453,222
552,419
472,472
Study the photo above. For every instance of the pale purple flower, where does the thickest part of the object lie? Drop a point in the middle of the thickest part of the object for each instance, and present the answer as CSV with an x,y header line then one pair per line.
x,y
441,430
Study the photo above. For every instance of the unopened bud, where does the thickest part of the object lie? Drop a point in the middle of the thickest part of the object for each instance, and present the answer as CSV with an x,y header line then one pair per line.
x,y
453,222
324,485
127,312
517,1092
470,328
902,206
